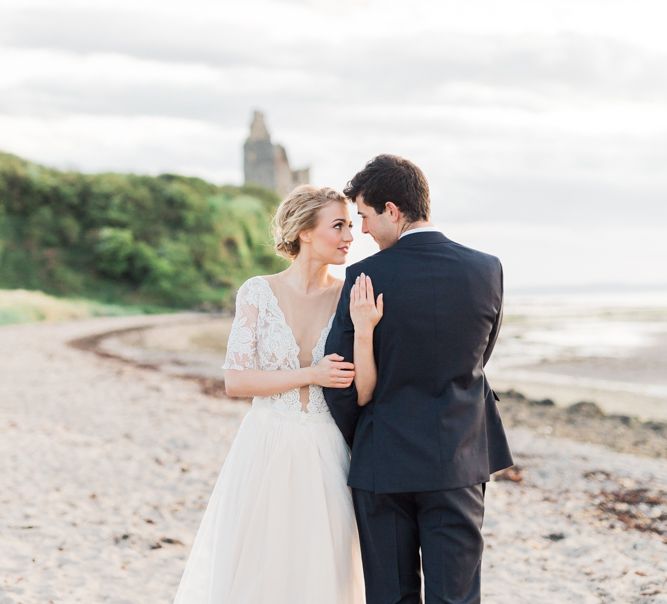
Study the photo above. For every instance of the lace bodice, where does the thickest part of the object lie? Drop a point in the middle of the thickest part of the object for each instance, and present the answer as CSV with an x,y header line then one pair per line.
x,y
260,338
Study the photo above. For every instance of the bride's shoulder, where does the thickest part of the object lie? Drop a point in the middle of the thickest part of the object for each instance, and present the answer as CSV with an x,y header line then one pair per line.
x,y
251,283
253,289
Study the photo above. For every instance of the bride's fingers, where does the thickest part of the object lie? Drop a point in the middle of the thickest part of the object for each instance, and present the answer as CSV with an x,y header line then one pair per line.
x,y
343,366
369,289
380,304
362,287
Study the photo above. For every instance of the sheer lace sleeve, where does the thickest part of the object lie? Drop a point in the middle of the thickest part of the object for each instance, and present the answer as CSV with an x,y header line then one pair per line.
x,y
242,343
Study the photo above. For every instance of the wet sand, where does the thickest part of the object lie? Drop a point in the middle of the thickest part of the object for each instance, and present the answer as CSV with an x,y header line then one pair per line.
x,y
610,352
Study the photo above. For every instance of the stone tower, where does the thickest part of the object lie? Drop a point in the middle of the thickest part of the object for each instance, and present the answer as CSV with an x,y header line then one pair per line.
x,y
266,164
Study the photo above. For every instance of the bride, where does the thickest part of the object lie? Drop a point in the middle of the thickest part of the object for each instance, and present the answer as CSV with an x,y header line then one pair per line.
x,y
279,526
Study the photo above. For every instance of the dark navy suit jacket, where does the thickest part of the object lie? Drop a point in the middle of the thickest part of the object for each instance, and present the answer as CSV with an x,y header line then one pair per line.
x,y
433,422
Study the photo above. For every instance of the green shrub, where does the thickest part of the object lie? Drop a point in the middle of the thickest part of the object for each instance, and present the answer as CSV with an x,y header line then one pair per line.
x,y
123,238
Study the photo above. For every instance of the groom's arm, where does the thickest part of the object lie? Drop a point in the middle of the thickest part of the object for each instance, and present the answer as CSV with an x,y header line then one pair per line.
x,y
343,401
495,330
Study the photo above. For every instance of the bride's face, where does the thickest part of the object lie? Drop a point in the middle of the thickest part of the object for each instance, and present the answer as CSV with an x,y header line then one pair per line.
x,y
329,241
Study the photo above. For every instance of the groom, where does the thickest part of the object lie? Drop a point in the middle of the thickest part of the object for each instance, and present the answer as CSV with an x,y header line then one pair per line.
x,y
425,445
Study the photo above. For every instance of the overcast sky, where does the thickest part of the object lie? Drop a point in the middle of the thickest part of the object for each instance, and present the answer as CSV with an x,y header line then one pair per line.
x,y
542,126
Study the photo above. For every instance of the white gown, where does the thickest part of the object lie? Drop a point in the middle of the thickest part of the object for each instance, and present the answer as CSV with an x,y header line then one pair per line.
x,y
279,527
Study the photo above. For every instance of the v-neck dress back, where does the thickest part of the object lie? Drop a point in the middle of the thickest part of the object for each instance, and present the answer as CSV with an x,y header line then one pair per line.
x,y
279,526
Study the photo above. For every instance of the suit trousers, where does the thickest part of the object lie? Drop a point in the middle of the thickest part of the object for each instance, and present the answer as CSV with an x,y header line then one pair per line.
x,y
445,525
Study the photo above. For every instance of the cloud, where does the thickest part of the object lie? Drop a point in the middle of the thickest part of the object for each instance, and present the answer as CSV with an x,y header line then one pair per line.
x,y
402,65
217,39
515,116
552,255
150,145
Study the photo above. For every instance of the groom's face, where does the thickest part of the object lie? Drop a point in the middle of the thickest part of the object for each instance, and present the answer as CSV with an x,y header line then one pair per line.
x,y
380,227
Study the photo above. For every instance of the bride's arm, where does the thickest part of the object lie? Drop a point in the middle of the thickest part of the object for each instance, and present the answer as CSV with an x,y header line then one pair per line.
x,y
365,315
243,378
331,371
256,382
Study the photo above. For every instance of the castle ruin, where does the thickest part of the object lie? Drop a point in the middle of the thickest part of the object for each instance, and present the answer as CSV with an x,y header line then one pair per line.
x,y
266,163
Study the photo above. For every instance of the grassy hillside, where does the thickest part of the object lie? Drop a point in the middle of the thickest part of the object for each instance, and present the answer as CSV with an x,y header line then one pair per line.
x,y
170,241
23,306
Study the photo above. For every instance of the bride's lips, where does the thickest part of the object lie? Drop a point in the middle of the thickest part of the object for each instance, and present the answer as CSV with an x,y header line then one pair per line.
x,y
345,249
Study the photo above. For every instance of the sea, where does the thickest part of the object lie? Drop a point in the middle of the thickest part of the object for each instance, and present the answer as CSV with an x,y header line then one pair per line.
x,y
607,346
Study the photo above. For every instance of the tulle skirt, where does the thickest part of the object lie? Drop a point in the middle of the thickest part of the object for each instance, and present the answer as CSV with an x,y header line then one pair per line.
x,y
279,526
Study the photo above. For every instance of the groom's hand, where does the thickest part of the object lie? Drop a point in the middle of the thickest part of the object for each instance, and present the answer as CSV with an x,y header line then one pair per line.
x,y
333,372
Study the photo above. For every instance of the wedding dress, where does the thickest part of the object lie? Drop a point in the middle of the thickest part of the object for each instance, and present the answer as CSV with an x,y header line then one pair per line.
x,y
279,527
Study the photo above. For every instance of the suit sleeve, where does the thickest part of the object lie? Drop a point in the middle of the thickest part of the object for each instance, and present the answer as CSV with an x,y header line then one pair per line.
x,y
493,336
342,402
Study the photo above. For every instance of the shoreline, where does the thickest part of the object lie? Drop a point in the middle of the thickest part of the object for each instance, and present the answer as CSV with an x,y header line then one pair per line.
x,y
582,421
586,422
97,344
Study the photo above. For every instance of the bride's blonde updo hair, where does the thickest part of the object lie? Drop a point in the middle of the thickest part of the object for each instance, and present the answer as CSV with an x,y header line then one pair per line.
x,y
297,213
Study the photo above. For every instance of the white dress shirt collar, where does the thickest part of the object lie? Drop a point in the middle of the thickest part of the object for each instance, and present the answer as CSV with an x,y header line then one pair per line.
x,y
420,230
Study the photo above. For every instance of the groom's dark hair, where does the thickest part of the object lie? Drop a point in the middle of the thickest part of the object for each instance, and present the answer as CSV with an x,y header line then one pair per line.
x,y
392,178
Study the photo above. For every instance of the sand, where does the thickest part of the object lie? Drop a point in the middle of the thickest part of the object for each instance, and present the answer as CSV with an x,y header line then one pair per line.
x,y
106,469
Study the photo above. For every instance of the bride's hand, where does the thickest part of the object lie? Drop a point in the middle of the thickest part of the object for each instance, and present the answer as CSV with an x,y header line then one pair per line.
x,y
365,312
333,372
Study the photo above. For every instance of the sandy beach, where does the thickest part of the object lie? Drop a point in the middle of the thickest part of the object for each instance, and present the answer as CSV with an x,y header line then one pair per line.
x,y
107,466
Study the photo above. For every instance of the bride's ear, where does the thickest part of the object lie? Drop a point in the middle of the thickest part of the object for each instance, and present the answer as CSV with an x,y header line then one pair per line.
x,y
306,236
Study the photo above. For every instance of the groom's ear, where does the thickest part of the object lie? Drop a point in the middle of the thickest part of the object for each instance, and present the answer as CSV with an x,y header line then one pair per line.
x,y
393,211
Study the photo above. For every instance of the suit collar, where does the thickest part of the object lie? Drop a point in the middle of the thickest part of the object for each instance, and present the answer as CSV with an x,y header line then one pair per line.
x,y
422,238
